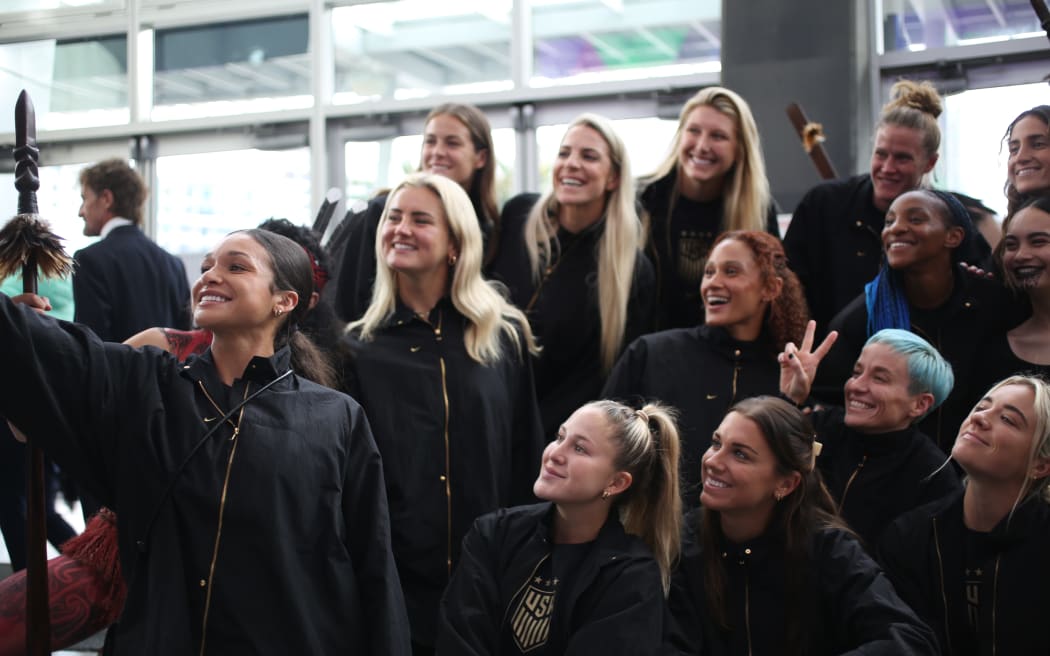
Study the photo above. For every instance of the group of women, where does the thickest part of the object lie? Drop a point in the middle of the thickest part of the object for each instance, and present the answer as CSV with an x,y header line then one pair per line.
x,y
397,519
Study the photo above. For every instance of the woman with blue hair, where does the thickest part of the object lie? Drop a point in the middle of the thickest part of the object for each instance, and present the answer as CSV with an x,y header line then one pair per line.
x,y
875,461
922,289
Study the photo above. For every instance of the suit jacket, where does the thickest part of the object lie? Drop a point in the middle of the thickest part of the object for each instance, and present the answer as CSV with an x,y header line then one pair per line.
x,y
125,283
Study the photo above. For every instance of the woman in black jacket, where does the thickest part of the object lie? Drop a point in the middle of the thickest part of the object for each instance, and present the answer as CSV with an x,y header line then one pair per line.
x,y
766,566
876,463
251,507
457,144
586,572
572,261
713,180
921,288
441,366
754,306
974,566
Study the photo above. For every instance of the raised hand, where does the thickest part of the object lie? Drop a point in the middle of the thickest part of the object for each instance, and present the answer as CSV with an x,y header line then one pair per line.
x,y
798,365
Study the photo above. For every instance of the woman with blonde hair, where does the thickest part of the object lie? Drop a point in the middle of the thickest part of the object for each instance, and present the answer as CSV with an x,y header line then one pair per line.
x,y
571,259
457,144
441,366
833,242
974,565
713,180
586,571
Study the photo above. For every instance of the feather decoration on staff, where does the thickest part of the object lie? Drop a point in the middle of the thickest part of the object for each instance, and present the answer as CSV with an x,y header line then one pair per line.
x,y
27,243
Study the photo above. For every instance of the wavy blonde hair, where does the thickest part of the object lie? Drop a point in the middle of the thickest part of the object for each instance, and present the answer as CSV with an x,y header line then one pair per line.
x,y
617,248
488,314
746,198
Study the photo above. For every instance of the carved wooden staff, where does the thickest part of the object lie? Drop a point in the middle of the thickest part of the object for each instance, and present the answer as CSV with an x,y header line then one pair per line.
x,y
26,243
812,135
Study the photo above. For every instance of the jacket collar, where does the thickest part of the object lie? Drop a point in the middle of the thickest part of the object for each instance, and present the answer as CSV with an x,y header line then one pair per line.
x,y
724,344
612,541
260,369
880,444
1031,517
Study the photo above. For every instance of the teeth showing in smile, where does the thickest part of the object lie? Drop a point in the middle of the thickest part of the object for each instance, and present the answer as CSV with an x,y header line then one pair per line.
x,y
1025,171
860,405
717,300
710,481
404,247
571,182
897,244
701,161
212,298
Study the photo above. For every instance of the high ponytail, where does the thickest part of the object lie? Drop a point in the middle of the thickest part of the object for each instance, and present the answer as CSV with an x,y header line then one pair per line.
x,y
648,448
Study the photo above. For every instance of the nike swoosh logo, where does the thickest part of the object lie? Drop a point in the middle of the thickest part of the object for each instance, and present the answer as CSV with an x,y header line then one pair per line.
x,y
711,397
415,348
208,419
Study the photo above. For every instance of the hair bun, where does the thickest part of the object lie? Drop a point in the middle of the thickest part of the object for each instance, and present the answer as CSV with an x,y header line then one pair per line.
x,y
922,96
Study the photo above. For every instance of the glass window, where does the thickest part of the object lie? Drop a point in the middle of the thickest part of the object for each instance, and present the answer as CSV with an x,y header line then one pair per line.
x,y
74,83
973,152
17,6
647,141
232,68
202,197
921,25
604,40
416,48
372,166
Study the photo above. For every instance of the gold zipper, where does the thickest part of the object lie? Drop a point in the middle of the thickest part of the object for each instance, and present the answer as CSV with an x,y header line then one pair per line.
x,y
944,597
448,483
842,501
736,375
222,507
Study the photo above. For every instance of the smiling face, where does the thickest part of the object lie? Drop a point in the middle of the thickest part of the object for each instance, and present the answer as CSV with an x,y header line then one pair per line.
x,y
1028,167
995,439
448,150
877,396
917,232
707,151
733,291
235,289
1026,250
898,163
416,238
580,464
739,472
583,171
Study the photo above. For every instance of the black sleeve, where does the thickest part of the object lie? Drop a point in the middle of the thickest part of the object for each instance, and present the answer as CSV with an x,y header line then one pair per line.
x,y
622,384
802,243
864,610
628,619
685,633
470,608
772,221
902,554
641,305
357,271
365,505
529,440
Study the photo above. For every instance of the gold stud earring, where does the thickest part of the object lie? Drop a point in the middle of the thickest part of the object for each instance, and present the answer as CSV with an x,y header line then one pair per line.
x,y
779,495
277,312
452,259
605,495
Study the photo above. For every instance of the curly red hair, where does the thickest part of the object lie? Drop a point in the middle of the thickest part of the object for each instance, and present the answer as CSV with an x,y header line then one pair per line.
x,y
788,313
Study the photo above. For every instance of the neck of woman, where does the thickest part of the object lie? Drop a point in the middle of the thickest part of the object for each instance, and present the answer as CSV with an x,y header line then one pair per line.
x,y
701,191
232,352
929,286
422,293
985,503
577,218
576,524
741,527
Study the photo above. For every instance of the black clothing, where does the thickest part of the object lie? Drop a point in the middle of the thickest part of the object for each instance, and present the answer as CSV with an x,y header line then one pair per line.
x,y
125,283
304,562
678,244
356,268
612,604
996,361
701,371
848,605
974,314
834,244
876,478
563,310
458,439
935,564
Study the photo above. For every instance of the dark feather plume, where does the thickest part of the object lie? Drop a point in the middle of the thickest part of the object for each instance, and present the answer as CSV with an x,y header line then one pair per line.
x,y
26,236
